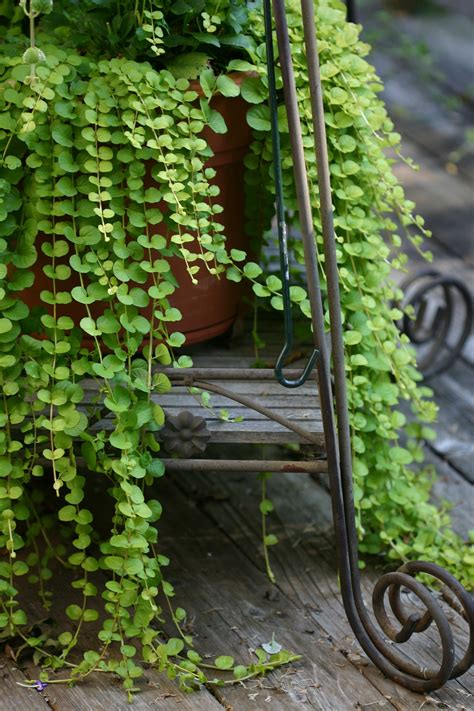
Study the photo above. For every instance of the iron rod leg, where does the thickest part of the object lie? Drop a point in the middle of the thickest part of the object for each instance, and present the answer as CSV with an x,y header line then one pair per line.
x,y
384,655
351,11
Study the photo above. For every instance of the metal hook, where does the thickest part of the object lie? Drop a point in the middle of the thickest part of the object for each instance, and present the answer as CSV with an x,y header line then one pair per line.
x,y
351,11
281,221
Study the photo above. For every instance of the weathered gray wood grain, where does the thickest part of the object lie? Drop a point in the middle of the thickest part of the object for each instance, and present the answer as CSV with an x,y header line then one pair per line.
x,y
104,693
444,200
13,696
254,432
100,691
453,392
428,97
235,609
304,563
452,487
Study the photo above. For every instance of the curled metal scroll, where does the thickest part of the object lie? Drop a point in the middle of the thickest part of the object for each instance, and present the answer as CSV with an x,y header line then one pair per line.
x,y
443,318
417,623
378,641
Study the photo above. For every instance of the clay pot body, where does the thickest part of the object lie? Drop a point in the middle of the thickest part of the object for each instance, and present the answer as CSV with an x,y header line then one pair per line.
x,y
209,307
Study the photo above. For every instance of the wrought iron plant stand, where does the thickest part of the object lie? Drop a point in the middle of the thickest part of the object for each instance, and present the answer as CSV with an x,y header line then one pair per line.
x,y
187,434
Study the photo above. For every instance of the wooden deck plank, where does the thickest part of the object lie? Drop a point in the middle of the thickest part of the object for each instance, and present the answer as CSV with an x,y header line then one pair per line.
x,y
295,413
260,432
304,564
235,609
453,392
213,546
104,693
254,432
464,7
284,403
305,500
99,692
444,200
298,414
432,109
426,97
13,696
300,407
452,267
444,111
453,58
258,388
451,486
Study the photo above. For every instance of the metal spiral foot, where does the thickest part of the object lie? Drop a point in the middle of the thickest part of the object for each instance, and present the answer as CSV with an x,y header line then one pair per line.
x,y
443,319
390,585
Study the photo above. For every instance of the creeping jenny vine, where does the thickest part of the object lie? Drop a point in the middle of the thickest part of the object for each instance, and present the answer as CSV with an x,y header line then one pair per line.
x,y
104,183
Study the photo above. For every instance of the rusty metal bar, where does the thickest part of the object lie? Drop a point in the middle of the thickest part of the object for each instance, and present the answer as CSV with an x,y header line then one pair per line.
x,y
305,212
248,402
245,465
351,11
373,639
281,376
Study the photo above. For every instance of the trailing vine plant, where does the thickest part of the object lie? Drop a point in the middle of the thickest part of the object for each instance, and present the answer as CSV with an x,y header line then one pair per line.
x,y
104,184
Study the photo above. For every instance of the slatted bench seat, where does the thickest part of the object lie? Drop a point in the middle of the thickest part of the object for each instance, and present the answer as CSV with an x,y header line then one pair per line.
x,y
245,425
258,411
229,365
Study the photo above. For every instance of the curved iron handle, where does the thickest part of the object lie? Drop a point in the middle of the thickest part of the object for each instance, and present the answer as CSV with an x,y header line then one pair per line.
x,y
281,221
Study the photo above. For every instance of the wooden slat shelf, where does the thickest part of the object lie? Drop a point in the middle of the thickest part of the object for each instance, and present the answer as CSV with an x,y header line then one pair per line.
x,y
300,406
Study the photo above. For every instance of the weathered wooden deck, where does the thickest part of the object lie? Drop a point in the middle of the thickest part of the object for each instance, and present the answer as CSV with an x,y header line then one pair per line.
x,y
210,528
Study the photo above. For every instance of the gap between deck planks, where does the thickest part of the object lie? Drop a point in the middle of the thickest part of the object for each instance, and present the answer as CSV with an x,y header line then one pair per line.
x,y
446,204
219,578
234,613
425,98
100,692
444,200
450,486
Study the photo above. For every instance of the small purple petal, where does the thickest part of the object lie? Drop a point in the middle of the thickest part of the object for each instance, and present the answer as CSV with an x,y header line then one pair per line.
x,y
40,685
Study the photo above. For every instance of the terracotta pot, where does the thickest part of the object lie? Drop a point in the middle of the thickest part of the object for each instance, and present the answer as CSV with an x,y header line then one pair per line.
x,y
210,307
